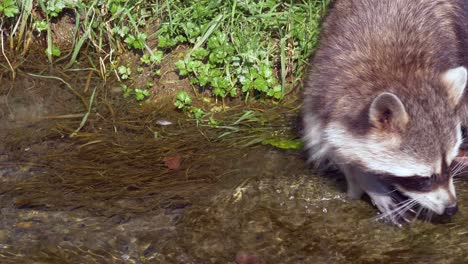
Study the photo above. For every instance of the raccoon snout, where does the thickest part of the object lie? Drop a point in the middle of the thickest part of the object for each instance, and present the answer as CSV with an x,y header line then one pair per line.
x,y
451,210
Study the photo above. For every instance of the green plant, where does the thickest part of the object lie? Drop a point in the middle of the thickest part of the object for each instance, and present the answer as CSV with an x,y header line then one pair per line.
x,y
126,90
40,25
197,112
149,84
51,8
184,102
54,51
9,8
248,49
116,5
230,64
124,72
155,58
141,94
282,143
55,7
121,31
136,41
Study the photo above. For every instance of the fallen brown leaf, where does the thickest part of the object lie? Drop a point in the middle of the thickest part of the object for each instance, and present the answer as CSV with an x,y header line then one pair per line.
x,y
173,162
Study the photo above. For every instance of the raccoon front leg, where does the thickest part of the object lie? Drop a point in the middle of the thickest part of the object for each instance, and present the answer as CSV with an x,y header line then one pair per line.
x,y
354,191
379,192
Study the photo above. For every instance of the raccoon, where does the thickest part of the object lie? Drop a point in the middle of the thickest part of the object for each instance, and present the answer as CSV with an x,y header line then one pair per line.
x,y
384,101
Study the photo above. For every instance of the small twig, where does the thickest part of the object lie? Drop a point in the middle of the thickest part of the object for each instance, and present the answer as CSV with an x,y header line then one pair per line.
x,y
102,67
90,143
88,81
4,55
85,117
69,116
63,81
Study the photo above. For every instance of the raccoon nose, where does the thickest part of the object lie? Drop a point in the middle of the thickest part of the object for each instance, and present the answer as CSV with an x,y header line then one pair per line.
x,y
451,211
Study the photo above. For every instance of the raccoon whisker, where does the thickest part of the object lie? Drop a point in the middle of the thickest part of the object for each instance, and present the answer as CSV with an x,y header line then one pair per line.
x,y
456,174
390,194
429,216
458,168
427,206
419,212
426,214
384,215
412,210
406,203
459,165
455,168
460,157
405,219
403,211
398,211
409,207
459,173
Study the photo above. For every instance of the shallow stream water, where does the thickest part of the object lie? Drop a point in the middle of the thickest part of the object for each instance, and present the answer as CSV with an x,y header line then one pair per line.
x,y
107,195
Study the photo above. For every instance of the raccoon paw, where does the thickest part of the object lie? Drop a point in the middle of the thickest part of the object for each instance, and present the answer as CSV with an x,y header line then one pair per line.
x,y
389,209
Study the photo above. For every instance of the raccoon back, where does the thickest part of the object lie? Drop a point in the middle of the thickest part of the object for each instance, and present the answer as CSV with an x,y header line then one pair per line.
x,y
370,46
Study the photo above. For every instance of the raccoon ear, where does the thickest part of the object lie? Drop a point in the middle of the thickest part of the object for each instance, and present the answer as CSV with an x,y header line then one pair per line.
x,y
387,112
455,81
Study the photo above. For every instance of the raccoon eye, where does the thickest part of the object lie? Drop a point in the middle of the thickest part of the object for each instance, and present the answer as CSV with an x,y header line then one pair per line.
x,y
428,182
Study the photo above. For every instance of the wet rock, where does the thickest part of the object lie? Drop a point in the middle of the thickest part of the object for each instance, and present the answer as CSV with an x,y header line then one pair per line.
x,y
63,33
25,225
174,203
3,236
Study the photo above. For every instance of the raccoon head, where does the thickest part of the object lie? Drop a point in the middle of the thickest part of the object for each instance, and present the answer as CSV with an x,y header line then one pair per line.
x,y
410,141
